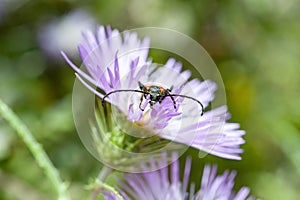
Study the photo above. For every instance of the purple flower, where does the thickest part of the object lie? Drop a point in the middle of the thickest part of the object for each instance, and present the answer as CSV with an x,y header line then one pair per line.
x,y
119,61
166,184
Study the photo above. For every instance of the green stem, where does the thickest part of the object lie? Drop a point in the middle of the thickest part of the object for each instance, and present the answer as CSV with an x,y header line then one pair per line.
x,y
104,173
36,149
99,184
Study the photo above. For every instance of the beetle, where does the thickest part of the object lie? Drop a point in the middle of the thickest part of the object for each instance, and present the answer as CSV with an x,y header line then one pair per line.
x,y
157,94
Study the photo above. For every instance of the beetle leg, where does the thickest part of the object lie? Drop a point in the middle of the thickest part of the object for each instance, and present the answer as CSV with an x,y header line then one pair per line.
x,y
163,95
142,87
174,102
161,98
140,106
167,93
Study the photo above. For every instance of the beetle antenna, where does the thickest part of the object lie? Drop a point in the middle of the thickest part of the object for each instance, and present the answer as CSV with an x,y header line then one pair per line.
x,y
184,96
115,91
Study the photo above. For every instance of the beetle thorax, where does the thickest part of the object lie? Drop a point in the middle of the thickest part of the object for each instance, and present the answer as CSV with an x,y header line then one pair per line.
x,y
155,94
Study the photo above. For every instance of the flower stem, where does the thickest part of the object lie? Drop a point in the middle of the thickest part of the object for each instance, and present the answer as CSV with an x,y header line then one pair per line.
x,y
104,173
100,184
36,149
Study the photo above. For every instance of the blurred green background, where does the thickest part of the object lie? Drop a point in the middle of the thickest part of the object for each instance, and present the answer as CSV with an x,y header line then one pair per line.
x,y
255,45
